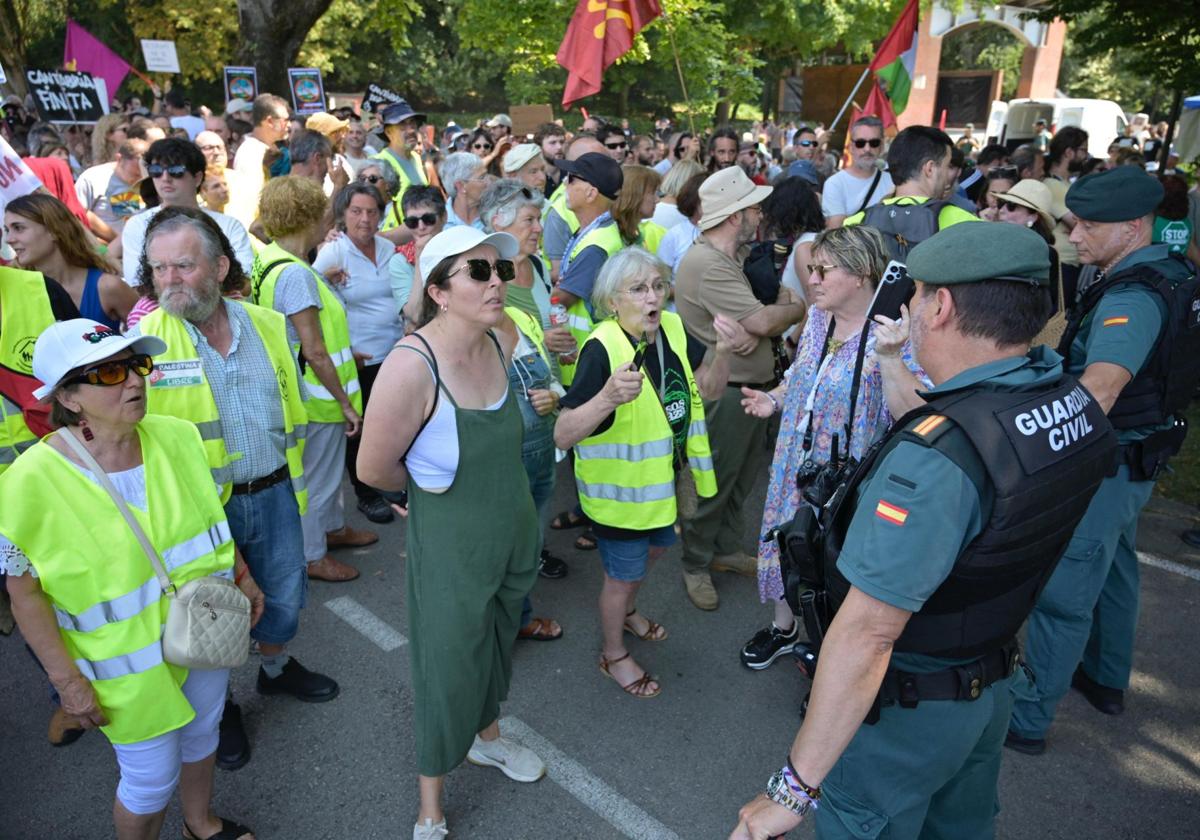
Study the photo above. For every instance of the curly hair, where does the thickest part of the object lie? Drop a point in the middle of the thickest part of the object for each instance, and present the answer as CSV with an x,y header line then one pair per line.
x,y
290,204
212,240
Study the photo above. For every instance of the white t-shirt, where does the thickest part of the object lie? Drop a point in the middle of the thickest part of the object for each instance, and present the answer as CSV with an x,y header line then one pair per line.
x,y
366,293
134,235
192,125
667,215
790,279
102,191
249,162
843,192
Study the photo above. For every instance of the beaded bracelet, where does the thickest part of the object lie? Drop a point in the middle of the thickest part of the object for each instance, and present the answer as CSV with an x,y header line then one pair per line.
x,y
774,402
797,785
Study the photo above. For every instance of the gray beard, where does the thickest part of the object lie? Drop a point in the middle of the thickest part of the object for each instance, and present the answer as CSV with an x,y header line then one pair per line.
x,y
185,303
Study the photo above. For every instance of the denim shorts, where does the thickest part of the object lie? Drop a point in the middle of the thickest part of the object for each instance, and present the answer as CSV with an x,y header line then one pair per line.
x,y
625,560
266,527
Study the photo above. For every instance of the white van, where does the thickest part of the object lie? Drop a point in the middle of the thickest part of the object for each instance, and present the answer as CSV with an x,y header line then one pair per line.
x,y
1102,119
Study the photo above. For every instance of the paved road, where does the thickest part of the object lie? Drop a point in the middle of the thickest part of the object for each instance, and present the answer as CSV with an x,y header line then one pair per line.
x,y
677,766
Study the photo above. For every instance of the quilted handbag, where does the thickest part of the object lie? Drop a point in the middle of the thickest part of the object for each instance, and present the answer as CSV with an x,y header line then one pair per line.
x,y
208,619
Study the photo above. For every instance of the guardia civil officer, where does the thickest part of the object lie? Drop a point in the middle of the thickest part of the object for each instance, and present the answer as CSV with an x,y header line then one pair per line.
x,y
1127,345
933,556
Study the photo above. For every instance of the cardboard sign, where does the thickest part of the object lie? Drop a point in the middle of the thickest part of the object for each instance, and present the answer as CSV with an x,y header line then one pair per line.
x,y
160,56
308,91
526,118
62,96
378,97
16,178
241,83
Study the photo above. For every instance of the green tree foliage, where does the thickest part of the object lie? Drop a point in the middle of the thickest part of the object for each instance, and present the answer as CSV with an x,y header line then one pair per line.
x,y
986,47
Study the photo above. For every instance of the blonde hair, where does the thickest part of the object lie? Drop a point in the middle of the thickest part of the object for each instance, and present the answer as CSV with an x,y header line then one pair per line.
x,y
290,204
677,176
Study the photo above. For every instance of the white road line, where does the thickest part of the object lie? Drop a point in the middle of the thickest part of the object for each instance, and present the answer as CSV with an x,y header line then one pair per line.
x,y
366,622
1168,565
578,781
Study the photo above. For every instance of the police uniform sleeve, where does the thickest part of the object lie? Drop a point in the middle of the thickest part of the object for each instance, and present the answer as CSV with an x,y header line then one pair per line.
x,y
912,520
1125,327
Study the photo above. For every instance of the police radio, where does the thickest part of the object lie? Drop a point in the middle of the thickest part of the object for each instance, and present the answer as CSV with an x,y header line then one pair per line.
x,y
895,289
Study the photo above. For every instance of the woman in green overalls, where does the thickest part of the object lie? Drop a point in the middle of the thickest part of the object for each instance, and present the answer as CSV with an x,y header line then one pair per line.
x,y
444,424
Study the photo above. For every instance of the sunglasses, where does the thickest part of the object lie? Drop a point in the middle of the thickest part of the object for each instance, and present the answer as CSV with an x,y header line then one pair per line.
x,y
412,222
113,373
874,143
808,144
481,270
615,146
820,269
175,170
483,147
371,179
1010,206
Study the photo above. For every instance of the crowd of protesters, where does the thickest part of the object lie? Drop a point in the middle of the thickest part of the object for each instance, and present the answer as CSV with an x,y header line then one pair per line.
x,y
441,319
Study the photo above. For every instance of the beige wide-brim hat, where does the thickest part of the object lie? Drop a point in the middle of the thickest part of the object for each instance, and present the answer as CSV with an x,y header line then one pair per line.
x,y
1034,195
725,192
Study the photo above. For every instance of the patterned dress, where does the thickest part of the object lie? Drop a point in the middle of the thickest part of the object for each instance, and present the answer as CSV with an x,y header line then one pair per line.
x,y
831,407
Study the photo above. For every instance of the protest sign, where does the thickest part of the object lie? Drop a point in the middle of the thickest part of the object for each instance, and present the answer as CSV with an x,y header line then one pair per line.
x,y
16,178
61,96
3,78
526,118
378,97
308,91
241,83
160,56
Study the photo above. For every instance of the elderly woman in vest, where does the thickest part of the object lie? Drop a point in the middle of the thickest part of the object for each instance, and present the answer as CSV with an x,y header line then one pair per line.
x,y
634,428
93,611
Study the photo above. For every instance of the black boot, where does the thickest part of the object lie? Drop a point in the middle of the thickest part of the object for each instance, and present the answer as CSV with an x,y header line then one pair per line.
x,y
233,750
1108,701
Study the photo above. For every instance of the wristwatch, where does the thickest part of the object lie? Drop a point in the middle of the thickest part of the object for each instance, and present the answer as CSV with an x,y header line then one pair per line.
x,y
779,793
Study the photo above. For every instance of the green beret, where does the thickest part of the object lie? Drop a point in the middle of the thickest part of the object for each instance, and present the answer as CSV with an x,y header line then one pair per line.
x,y
1116,195
970,252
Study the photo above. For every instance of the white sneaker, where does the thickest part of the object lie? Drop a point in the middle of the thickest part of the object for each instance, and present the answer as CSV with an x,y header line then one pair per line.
x,y
519,763
429,831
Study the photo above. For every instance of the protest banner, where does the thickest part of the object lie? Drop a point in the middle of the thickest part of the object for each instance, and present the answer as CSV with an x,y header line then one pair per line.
x,y
16,178
526,118
241,83
378,97
308,91
160,56
61,96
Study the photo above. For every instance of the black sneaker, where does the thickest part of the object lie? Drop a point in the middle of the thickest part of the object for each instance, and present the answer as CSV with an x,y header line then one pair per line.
x,y
233,747
1027,746
551,567
377,510
299,682
768,645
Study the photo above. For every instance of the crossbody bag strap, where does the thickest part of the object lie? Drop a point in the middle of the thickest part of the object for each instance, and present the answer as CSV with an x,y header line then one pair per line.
x,y
164,580
870,191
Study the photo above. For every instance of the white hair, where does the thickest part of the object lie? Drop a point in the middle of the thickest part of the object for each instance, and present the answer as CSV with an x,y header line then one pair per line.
x,y
459,166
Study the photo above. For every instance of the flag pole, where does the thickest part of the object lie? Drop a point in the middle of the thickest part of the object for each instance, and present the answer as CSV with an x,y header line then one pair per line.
x,y
846,104
679,69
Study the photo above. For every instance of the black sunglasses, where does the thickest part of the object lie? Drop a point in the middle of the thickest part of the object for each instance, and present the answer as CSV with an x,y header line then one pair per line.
x,y
614,146
487,147
481,270
113,373
411,222
175,170
874,143
371,179
1011,205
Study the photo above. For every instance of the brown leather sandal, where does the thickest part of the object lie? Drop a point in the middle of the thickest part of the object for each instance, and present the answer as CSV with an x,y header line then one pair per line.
x,y
654,632
540,630
639,688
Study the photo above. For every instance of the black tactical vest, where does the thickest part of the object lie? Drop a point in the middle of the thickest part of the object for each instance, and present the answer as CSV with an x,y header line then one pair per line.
x,y
1039,455
1168,379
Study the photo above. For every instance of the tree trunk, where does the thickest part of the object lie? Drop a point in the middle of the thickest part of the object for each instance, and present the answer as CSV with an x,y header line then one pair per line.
x,y
1176,110
271,34
12,48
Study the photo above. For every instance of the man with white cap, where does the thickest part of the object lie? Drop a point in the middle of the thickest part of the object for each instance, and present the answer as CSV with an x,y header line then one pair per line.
x,y
710,282
500,127
526,164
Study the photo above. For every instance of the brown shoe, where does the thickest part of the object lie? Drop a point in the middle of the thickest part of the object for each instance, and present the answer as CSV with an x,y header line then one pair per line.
x,y
740,564
700,589
332,570
348,537
63,729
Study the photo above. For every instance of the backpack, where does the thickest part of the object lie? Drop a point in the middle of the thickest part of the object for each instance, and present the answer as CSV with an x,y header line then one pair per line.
x,y
764,267
904,225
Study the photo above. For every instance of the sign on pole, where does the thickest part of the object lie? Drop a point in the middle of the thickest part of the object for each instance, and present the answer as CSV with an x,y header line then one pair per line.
x,y
527,118
61,96
160,56
308,91
378,97
16,178
241,83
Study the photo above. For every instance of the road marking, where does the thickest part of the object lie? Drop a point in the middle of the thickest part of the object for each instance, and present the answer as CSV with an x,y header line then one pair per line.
x,y
578,781
1168,565
366,622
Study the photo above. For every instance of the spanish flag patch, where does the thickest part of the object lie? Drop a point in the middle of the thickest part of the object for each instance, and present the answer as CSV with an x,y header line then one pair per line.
x,y
929,424
893,514
1116,322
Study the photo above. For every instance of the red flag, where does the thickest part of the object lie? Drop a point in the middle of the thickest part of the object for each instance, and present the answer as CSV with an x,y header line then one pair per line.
x,y
878,105
600,32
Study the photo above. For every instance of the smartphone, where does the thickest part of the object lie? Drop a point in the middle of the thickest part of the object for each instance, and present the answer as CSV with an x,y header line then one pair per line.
x,y
639,353
895,289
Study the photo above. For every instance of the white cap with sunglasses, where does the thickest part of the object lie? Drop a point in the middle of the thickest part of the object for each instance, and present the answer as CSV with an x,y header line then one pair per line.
x,y
460,239
67,345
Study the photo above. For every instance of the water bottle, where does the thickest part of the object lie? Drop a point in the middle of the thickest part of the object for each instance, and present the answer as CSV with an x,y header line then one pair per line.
x,y
558,318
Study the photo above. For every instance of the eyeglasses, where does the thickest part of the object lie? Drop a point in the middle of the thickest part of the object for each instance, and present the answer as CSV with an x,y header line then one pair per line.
x,y
412,222
643,292
619,145
157,170
820,269
371,179
808,144
481,270
874,143
113,373
211,147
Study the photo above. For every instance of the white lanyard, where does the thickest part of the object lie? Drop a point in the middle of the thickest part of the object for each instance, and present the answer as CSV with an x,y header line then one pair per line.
x,y
574,240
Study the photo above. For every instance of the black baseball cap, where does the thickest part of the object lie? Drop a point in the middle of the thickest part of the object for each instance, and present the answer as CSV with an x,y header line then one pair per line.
x,y
601,171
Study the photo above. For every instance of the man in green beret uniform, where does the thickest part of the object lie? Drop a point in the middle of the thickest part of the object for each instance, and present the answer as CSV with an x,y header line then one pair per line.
x,y
931,556
1127,342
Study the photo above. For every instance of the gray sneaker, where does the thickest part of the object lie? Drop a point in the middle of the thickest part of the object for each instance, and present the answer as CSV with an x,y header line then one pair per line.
x,y
519,763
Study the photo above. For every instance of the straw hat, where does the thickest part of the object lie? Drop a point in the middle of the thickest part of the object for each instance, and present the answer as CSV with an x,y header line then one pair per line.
x,y
1033,195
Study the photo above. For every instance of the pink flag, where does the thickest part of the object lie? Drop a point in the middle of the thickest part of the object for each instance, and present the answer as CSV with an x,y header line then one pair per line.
x,y
86,53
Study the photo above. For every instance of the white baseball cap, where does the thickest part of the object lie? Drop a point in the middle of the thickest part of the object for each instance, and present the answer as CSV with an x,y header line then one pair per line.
x,y
461,238
520,155
67,345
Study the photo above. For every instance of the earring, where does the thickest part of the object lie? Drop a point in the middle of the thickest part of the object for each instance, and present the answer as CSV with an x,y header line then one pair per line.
x,y
1029,224
88,434
445,308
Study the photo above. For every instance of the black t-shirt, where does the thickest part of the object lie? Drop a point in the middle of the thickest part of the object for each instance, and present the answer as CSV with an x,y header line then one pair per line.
x,y
592,371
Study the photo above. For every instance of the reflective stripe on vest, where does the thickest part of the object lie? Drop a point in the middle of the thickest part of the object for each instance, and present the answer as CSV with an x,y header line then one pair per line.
x,y
321,405
108,603
626,474
194,401
24,313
